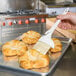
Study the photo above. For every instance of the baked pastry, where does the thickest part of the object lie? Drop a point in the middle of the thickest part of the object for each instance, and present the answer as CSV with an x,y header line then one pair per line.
x,y
55,56
10,58
43,70
13,48
58,45
33,59
30,37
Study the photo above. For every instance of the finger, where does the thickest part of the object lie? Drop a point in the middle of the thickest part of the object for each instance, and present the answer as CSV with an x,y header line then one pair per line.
x,y
73,27
60,25
67,25
64,17
64,25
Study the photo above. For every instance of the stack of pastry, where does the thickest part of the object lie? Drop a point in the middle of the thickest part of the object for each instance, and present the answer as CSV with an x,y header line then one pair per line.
x,y
12,49
32,58
28,58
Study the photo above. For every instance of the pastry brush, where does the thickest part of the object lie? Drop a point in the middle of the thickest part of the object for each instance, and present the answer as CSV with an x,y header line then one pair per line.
x,y
45,42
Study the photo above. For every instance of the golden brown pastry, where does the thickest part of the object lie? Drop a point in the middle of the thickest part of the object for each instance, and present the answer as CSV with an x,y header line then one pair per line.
x,y
55,56
30,37
43,70
13,48
10,58
33,59
58,45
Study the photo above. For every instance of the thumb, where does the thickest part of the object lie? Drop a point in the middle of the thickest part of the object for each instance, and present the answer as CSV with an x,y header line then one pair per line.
x,y
64,17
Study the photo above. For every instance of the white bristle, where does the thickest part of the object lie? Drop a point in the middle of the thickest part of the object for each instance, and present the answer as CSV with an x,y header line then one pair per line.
x,y
42,47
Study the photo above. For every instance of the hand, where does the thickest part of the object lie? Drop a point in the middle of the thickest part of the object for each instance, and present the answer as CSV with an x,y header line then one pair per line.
x,y
68,21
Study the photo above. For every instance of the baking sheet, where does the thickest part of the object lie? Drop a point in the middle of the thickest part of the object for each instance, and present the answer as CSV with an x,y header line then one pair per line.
x,y
55,58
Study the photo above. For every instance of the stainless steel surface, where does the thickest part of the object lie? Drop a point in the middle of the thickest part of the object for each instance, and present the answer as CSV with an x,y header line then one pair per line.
x,y
67,66
9,32
74,1
13,5
51,2
54,11
55,58
64,1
